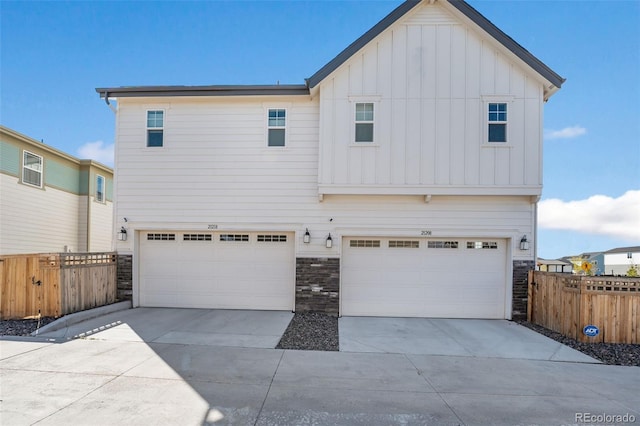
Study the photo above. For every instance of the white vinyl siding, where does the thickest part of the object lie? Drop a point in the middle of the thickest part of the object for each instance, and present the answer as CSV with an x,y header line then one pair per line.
x,y
32,168
45,229
431,74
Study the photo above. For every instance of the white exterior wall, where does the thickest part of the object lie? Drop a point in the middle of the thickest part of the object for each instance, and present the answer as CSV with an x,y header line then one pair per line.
x,y
215,170
619,263
51,222
101,232
430,77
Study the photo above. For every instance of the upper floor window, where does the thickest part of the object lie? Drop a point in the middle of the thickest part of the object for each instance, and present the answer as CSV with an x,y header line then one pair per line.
x,y
364,122
100,189
497,122
32,169
277,127
155,128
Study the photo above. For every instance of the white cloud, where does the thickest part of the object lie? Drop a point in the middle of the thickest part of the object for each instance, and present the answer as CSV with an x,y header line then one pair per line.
x,y
566,133
598,214
97,151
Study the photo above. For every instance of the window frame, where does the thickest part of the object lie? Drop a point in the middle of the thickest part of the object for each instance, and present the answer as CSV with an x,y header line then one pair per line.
x,y
283,128
24,167
371,122
102,200
149,129
507,100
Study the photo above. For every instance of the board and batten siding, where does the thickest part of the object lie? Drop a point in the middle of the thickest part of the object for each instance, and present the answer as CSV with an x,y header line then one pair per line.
x,y
215,169
430,77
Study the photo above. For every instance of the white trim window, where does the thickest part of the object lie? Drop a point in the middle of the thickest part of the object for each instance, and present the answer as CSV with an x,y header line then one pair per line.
x,y
497,122
32,168
364,122
276,127
155,128
100,189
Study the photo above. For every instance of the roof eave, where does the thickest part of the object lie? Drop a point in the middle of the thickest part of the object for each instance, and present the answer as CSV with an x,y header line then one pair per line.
x,y
551,76
164,91
362,41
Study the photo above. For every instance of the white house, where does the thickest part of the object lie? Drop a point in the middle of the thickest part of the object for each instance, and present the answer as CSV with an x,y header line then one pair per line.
x,y
617,261
51,201
400,180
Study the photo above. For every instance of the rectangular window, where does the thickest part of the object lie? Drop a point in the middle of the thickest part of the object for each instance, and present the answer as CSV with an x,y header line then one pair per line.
x,y
442,244
196,237
100,189
155,128
478,245
364,122
364,243
32,169
497,122
161,237
272,238
234,237
404,244
277,127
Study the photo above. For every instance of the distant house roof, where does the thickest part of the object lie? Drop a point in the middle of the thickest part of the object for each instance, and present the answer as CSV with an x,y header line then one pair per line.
x,y
541,261
633,249
41,145
249,90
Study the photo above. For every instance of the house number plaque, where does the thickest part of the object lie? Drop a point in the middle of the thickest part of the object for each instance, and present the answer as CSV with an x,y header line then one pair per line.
x,y
425,233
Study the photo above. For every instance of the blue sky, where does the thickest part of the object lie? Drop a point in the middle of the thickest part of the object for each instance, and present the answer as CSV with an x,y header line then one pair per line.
x,y
54,54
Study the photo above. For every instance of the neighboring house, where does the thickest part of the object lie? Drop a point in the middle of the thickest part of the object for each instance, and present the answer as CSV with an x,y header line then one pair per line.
x,y
587,263
401,180
546,265
617,261
51,201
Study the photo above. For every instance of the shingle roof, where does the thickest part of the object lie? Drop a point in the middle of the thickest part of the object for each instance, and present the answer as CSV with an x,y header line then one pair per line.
x,y
633,249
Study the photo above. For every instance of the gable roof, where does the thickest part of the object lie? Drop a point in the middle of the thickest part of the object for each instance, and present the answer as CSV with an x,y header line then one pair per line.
x,y
462,6
295,89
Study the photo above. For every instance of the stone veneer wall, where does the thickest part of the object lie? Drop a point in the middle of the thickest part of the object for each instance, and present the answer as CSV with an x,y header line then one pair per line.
x,y
318,285
125,276
521,270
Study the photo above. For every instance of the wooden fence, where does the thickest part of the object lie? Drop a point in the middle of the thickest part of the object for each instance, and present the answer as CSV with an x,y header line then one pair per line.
x,y
55,284
567,303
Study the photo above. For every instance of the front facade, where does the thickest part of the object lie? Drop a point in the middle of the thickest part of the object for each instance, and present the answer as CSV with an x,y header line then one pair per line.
x,y
401,180
51,201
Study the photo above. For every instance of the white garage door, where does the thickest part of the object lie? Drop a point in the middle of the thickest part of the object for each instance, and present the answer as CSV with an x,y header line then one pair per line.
x,y
446,278
239,270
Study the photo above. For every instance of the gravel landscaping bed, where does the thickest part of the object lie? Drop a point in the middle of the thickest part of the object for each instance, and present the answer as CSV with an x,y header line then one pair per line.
x,y
22,327
608,353
312,332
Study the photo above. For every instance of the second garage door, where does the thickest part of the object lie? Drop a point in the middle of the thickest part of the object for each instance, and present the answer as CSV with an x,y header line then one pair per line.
x,y
239,270
446,278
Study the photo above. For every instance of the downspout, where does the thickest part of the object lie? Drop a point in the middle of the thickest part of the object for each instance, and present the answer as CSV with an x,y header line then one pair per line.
x,y
106,99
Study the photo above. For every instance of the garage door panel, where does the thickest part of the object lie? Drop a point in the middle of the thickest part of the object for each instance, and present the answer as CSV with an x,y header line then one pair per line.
x,y
439,278
214,271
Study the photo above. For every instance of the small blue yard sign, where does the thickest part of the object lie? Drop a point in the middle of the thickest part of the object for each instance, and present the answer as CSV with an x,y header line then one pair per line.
x,y
591,330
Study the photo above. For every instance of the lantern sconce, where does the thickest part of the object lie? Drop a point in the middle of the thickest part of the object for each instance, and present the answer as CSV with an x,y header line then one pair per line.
x,y
122,235
329,241
524,244
307,237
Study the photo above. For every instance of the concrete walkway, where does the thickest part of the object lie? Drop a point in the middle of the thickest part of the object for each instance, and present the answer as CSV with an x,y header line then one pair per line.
x,y
193,367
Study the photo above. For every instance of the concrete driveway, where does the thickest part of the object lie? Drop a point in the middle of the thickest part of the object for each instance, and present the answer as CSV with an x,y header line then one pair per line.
x,y
195,367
